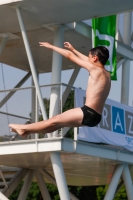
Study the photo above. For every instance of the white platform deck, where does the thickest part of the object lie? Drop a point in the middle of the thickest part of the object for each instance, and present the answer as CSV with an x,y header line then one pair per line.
x,y
84,163
40,17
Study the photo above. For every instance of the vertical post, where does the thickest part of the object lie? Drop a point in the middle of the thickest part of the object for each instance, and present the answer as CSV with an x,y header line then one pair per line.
x,y
42,186
52,180
3,42
71,82
75,128
126,64
26,186
31,62
114,182
36,114
128,182
117,27
34,111
56,74
3,197
60,176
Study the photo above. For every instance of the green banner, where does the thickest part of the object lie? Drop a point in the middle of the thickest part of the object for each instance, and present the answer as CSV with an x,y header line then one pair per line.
x,y
103,33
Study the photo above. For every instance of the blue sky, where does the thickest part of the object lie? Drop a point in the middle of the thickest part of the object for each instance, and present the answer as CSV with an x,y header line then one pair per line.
x,y
12,76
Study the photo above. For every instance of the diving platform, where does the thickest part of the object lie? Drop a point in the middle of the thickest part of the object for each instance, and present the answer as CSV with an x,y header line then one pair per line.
x,y
84,163
55,159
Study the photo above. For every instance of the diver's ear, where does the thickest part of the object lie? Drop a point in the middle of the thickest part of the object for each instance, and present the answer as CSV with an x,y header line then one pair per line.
x,y
95,58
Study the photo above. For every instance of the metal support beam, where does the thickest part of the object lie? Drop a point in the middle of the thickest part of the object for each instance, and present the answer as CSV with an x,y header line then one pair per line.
x,y
42,186
67,92
48,176
126,64
54,110
120,62
81,28
35,109
26,186
124,50
9,95
125,82
52,180
3,178
14,182
118,36
119,186
31,62
114,182
56,75
3,197
60,176
71,82
3,42
128,182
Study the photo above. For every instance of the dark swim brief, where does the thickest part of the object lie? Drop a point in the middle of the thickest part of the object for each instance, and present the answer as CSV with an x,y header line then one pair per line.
x,y
91,117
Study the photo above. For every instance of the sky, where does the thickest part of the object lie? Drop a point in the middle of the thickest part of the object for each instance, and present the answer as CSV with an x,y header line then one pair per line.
x,y
11,76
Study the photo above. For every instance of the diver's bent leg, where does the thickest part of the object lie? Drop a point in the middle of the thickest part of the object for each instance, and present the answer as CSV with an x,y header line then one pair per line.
x,y
70,118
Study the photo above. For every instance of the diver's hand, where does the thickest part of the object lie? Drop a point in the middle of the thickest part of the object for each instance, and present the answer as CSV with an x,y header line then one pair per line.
x,y
68,46
46,44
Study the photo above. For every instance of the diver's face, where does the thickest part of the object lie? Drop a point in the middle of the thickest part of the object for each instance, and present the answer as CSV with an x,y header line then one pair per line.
x,y
92,59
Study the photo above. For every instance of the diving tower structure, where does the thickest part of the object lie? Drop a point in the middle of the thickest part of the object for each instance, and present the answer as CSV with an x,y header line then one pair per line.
x,y
57,159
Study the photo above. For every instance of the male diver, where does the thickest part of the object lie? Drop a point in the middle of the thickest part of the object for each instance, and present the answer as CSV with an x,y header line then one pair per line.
x,y
98,88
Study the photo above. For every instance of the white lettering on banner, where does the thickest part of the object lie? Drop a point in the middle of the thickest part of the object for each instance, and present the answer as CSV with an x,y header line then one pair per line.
x,y
129,140
110,47
104,116
118,122
130,125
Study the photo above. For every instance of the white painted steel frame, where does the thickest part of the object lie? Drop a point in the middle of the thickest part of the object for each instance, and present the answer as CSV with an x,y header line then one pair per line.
x,y
26,186
126,65
125,94
55,158
31,62
119,186
3,178
34,109
3,197
66,145
54,110
56,76
71,82
42,186
123,170
114,182
14,182
120,62
128,181
60,176
52,180
3,42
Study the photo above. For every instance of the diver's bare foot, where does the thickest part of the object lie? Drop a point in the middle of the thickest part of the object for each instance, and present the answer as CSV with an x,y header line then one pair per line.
x,y
18,128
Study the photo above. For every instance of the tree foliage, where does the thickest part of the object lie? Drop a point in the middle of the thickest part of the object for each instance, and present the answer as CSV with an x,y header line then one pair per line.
x,y
101,191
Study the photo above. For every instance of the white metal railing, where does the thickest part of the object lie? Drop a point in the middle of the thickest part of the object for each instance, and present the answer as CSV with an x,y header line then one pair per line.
x,y
18,106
